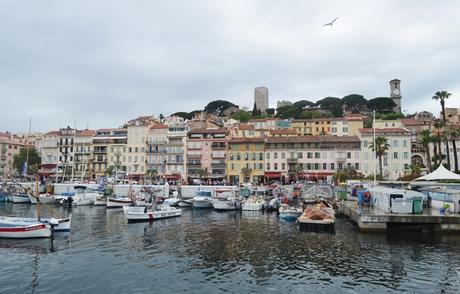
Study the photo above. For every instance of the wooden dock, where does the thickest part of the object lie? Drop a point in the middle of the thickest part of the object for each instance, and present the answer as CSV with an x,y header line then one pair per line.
x,y
370,219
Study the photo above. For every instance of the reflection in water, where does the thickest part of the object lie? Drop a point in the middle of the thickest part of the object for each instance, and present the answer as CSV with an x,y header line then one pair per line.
x,y
205,251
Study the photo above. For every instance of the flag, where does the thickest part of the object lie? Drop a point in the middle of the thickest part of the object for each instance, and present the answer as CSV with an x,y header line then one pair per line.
x,y
24,169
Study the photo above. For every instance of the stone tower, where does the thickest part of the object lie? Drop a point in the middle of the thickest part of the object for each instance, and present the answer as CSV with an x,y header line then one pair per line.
x,y
395,94
261,99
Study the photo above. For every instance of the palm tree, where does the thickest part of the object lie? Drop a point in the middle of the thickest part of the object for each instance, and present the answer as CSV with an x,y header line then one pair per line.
x,y
425,139
246,174
437,138
381,146
109,170
454,135
442,96
151,173
415,169
202,172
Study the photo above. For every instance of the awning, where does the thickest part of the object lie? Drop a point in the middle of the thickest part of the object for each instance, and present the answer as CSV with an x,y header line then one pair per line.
x,y
173,176
441,173
272,174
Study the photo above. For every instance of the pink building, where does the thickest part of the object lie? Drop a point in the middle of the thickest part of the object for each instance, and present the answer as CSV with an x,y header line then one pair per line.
x,y
10,144
206,150
315,156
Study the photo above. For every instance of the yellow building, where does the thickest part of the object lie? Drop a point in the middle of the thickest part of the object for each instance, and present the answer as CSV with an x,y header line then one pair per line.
x,y
248,131
346,126
317,126
245,160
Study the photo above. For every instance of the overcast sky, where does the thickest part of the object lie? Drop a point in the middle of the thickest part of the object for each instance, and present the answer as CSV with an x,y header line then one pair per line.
x,y
100,63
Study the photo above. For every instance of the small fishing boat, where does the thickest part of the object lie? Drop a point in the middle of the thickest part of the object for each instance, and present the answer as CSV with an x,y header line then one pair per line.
x,y
113,202
202,199
45,199
289,213
144,214
253,203
14,228
226,199
20,198
84,196
58,224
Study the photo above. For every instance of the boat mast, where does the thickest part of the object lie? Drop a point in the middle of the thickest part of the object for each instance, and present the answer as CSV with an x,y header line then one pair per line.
x,y
73,150
374,153
37,195
27,146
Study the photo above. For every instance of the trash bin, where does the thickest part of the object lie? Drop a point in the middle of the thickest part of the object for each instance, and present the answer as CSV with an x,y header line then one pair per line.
x,y
342,194
417,204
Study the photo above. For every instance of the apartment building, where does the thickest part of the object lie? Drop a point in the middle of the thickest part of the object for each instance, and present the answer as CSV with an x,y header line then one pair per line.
x,y
245,160
312,127
206,151
156,149
138,130
10,145
346,126
176,139
117,148
49,154
396,160
310,157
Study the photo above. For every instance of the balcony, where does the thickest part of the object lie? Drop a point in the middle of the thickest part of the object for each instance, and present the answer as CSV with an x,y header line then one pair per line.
x,y
218,146
194,162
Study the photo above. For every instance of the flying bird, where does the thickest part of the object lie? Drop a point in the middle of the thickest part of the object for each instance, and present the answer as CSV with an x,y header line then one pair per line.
x,y
331,23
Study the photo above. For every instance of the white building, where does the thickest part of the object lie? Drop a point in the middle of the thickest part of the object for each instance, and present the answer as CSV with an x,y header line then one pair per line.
x,y
396,160
261,99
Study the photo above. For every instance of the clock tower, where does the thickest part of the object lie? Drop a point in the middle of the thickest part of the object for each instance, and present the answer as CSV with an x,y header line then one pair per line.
x,y
395,94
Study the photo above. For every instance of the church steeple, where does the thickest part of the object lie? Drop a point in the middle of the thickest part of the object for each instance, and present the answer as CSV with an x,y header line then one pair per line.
x,y
395,94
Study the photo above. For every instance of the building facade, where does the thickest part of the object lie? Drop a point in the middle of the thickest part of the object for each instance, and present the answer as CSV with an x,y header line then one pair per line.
x,y
397,158
261,99
245,160
10,145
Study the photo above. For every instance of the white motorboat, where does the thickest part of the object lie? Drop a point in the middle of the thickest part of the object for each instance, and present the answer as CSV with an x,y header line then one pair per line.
x,y
84,196
185,202
171,201
15,228
289,213
226,200
119,202
253,203
143,214
20,198
45,199
202,199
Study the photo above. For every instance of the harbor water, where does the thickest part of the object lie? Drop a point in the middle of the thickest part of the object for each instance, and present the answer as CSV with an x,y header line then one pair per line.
x,y
234,252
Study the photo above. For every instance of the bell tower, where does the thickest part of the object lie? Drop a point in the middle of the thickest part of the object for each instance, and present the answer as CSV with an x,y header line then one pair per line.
x,y
395,94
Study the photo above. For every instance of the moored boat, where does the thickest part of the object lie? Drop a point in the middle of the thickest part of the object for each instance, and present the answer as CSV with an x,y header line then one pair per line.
x,y
13,228
143,214
58,224
253,203
119,202
45,199
202,199
226,200
20,198
318,218
289,213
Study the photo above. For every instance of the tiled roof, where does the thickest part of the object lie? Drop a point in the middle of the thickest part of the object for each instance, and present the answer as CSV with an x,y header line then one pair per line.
x,y
314,139
245,127
384,131
86,133
209,131
411,122
247,140
158,127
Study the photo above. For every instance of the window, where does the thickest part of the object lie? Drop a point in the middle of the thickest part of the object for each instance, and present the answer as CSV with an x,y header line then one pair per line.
x,y
275,155
283,166
309,155
308,166
238,156
261,156
395,143
406,166
276,166
268,155
332,166
300,155
317,155
316,166
365,144
283,155
345,130
232,166
404,143
246,156
232,157
406,155
395,155
268,166
357,166
334,130
135,149
324,166
348,155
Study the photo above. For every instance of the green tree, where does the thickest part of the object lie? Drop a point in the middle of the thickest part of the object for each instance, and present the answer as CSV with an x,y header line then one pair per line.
x,y
218,106
425,139
454,135
309,114
242,116
202,172
333,104
151,174
302,104
33,162
288,111
355,102
390,116
270,111
297,170
184,115
109,171
441,96
381,104
381,146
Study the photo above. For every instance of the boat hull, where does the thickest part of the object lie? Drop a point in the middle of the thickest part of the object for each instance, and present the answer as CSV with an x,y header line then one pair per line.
x,y
317,226
224,205
118,203
62,224
140,214
37,230
252,206
202,204
20,199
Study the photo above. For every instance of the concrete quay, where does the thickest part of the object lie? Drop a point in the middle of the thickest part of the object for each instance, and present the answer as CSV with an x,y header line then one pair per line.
x,y
371,219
